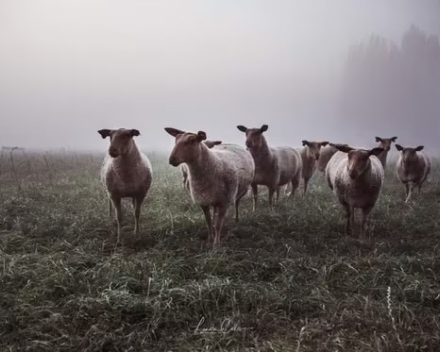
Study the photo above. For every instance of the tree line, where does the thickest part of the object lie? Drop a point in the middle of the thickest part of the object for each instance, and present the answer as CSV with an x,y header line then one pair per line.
x,y
394,87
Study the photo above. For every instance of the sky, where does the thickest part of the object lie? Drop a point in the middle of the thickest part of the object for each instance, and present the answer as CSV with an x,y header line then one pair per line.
x,y
70,68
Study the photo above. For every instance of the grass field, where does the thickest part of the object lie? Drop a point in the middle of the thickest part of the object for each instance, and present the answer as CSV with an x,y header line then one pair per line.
x,y
287,281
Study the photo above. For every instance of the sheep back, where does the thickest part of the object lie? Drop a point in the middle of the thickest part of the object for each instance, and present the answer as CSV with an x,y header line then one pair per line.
x,y
227,176
325,156
284,166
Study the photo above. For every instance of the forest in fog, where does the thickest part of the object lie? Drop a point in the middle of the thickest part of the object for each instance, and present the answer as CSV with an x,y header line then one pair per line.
x,y
394,85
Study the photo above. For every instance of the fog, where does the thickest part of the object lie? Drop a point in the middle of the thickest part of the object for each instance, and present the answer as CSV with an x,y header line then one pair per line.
x,y
69,68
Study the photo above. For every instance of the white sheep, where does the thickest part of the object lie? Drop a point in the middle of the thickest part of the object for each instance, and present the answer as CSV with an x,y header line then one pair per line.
x,y
412,168
356,177
126,172
218,177
310,155
274,167
184,168
385,143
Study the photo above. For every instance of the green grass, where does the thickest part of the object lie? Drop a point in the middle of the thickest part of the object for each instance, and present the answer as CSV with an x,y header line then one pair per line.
x,y
287,281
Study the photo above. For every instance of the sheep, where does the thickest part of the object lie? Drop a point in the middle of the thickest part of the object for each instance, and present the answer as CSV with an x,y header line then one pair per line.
x,y
274,167
325,155
412,168
385,143
310,155
356,177
184,168
126,172
218,177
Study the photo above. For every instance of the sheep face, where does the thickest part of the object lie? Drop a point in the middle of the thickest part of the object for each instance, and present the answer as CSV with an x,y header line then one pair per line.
x,y
188,146
254,136
314,148
121,140
409,155
385,143
358,159
358,162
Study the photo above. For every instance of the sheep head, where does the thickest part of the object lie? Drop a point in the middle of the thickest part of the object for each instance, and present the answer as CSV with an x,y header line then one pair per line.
x,y
121,140
187,146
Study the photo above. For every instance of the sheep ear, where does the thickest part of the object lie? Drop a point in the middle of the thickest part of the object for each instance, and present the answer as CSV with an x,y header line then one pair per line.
x,y
201,136
264,128
173,131
304,142
323,144
212,144
242,128
135,133
394,139
376,151
419,148
104,133
342,147
378,139
399,147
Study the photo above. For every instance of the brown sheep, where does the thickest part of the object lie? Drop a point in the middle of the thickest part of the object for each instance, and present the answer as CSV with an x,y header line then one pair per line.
x,y
310,155
274,167
325,155
184,168
385,143
126,172
356,177
412,168
218,177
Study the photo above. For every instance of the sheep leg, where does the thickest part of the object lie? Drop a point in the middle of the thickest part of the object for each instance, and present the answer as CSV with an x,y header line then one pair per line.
x,y
237,203
219,221
406,190
348,215
278,194
271,192
365,212
117,204
352,219
137,202
207,213
295,184
420,186
306,182
110,208
255,194
411,187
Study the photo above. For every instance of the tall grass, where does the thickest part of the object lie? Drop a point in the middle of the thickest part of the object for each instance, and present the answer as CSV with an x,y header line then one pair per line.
x,y
287,281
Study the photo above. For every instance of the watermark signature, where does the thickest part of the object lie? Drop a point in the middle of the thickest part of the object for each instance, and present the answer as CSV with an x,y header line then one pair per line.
x,y
226,326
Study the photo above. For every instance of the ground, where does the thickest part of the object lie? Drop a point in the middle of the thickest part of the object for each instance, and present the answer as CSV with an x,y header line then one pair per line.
x,y
291,280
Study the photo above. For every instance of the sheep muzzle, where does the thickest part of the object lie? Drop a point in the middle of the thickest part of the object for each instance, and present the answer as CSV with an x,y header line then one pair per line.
x,y
113,152
174,162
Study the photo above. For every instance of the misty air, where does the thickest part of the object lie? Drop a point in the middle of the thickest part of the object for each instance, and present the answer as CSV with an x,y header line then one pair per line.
x,y
226,175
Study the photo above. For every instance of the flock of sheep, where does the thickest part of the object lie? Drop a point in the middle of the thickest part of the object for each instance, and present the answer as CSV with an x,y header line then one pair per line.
x,y
219,175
